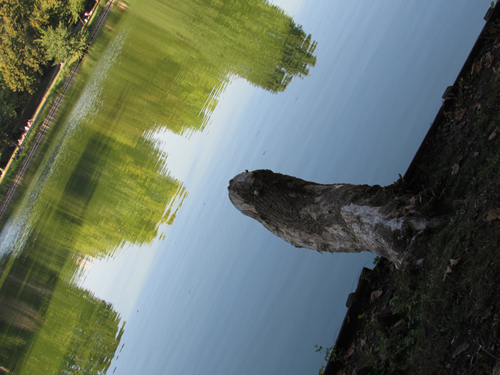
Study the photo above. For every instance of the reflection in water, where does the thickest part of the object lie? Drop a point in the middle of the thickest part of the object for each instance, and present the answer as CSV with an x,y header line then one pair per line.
x,y
65,327
177,62
104,182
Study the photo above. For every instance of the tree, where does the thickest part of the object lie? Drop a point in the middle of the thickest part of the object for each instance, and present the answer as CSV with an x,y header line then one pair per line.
x,y
11,104
75,8
59,43
333,218
22,22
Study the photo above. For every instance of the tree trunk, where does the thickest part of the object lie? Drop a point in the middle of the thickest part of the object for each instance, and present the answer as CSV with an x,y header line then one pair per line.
x,y
333,218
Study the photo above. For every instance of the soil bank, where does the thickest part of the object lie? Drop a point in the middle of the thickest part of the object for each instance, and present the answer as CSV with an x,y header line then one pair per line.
x,y
441,314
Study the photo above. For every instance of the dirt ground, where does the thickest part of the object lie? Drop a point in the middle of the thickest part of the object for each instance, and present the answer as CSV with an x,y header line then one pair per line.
x,y
440,314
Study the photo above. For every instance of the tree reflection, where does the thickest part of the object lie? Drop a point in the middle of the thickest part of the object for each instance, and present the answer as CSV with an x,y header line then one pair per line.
x,y
188,54
116,188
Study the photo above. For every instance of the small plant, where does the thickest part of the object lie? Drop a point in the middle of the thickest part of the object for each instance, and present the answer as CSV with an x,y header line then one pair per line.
x,y
329,353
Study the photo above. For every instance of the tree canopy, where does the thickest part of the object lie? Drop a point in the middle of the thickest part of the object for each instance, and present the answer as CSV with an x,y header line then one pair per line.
x,y
60,43
22,22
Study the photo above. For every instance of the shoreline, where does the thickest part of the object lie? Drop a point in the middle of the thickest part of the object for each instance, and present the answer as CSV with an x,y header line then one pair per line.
x,y
491,16
456,161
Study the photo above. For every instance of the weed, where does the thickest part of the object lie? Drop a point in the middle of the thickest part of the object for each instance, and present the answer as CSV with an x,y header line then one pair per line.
x,y
330,354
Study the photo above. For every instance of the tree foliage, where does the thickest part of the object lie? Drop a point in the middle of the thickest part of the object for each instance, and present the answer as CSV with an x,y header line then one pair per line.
x,y
22,22
31,35
11,103
59,43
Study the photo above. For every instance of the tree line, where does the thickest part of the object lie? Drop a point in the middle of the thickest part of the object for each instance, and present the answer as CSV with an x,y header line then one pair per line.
x,y
34,34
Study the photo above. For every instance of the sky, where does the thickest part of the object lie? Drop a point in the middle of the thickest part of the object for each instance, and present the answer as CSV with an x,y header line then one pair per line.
x,y
216,293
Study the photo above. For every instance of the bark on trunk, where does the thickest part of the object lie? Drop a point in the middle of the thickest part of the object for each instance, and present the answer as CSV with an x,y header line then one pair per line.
x,y
333,218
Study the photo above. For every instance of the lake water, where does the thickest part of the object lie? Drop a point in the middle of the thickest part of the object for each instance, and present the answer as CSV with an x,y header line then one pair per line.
x,y
125,255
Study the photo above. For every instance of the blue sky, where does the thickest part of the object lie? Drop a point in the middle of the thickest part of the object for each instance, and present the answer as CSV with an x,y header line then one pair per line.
x,y
219,294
